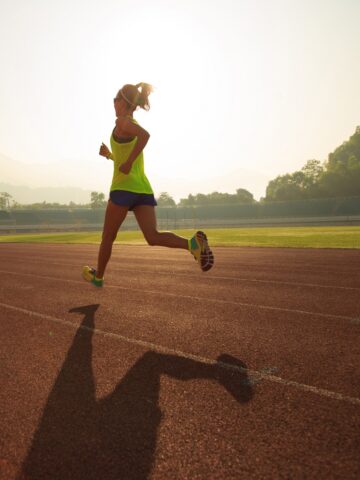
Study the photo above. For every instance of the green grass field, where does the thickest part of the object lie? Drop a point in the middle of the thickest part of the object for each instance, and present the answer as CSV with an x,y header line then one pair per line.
x,y
303,237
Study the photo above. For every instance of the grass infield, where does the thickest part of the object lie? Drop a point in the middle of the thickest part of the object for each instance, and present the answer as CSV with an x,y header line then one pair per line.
x,y
301,237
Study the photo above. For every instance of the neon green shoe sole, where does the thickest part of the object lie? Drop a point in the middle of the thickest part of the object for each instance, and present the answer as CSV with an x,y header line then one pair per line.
x,y
89,274
199,247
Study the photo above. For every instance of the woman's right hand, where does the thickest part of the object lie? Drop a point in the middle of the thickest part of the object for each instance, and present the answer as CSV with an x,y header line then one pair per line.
x,y
104,151
125,168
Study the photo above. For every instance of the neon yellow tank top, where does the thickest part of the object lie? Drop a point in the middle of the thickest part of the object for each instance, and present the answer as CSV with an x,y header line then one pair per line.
x,y
136,181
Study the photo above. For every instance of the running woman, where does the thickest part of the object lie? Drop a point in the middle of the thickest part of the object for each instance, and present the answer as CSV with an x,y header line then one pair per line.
x,y
131,190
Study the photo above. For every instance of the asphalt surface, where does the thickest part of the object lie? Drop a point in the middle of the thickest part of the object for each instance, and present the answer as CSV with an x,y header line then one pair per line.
x,y
250,371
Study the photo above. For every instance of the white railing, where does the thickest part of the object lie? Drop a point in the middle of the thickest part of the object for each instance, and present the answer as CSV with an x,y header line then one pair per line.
x,y
164,223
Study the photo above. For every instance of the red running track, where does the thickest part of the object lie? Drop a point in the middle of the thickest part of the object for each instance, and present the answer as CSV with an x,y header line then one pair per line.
x,y
250,371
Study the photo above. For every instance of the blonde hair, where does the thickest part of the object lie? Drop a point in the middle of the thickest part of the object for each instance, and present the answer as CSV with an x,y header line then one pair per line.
x,y
136,95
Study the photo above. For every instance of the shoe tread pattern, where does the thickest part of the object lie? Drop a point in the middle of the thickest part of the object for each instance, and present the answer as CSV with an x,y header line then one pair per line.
x,y
206,256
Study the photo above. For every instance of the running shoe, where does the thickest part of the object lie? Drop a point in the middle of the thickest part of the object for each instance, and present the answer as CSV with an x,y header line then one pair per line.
x,y
89,274
199,248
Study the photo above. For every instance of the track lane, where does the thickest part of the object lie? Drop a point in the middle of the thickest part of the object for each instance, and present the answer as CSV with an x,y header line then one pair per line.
x,y
267,338
342,302
318,266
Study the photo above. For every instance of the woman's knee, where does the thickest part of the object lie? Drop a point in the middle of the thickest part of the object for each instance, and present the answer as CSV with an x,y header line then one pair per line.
x,y
109,237
152,238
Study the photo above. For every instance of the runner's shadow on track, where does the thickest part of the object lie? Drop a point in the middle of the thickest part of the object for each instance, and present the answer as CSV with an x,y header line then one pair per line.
x,y
113,438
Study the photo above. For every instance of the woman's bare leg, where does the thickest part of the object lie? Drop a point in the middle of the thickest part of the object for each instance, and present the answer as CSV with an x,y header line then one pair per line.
x,y
114,217
146,218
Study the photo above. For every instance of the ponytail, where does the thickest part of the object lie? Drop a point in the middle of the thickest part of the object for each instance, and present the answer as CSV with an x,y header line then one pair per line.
x,y
144,91
136,95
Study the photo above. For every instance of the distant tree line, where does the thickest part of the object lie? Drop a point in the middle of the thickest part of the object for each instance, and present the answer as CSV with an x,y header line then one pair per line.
x,y
97,200
338,176
5,200
216,198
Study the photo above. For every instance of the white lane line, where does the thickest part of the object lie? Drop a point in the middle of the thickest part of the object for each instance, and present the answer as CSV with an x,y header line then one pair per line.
x,y
152,271
161,293
253,374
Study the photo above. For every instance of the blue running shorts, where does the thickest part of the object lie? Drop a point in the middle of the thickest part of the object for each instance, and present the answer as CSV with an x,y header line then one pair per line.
x,y
123,198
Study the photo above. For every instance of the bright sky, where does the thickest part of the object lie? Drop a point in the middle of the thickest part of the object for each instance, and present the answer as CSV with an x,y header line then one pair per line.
x,y
245,90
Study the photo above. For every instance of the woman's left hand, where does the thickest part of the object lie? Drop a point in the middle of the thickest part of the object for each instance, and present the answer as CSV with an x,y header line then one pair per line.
x,y
125,168
104,151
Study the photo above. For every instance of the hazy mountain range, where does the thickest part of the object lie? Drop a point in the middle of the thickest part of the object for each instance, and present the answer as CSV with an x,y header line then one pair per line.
x,y
63,195
38,183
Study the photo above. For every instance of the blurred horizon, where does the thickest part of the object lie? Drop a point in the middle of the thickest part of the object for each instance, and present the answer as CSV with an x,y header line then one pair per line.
x,y
38,181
